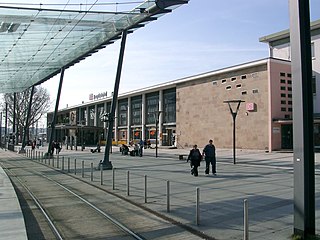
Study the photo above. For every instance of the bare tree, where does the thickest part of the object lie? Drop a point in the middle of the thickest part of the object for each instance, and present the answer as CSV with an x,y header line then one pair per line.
x,y
40,106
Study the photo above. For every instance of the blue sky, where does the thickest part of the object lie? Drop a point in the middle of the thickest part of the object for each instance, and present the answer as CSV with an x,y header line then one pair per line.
x,y
201,36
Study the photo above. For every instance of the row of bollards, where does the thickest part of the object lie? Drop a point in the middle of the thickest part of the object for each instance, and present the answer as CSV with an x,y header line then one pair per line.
x,y
40,157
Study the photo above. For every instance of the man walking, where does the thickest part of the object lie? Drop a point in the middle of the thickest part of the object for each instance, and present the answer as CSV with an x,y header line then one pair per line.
x,y
209,152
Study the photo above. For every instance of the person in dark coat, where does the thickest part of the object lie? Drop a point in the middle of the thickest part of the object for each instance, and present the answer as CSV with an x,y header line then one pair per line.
x,y
209,152
195,158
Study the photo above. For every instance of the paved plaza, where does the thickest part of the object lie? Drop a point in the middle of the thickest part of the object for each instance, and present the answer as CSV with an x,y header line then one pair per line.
x,y
264,179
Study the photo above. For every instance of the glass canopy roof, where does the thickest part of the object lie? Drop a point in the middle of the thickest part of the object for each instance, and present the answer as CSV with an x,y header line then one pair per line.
x,y
37,43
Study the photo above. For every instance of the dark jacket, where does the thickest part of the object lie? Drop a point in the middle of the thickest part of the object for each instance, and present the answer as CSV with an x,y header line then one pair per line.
x,y
210,150
195,157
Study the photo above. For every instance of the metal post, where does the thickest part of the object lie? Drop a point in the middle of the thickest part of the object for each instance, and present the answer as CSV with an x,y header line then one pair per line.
x,y
168,196
197,206
234,116
62,163
14,119
101,175
145,188
245,220
91,172
58,158
54,120
27,121
128,183
75,166
1,129
68,164
113,178
82,170
303,156
6,128
106,164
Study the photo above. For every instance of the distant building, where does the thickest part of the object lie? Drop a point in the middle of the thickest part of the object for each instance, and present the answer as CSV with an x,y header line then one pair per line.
x,y
279,47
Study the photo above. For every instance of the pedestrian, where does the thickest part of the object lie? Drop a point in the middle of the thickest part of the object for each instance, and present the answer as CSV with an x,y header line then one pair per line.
x,y
209,152
141,148
195,158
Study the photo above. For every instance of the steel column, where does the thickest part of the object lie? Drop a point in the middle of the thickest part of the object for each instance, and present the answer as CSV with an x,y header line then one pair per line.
x,y
6,127
14,119
26,127
106,164
303,157
54,121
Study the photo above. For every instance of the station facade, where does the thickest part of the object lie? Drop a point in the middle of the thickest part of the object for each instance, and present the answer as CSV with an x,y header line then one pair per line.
x,y
192,110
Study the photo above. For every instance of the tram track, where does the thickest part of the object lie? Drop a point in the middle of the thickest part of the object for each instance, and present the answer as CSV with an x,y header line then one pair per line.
x,y
89,198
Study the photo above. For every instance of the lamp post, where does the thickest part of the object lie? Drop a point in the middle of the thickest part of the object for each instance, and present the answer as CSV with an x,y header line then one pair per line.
x,y
1,129
105,118
157,115
234,116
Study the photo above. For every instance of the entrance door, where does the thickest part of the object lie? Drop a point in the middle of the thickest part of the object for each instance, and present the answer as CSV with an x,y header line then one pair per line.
x,y
286,136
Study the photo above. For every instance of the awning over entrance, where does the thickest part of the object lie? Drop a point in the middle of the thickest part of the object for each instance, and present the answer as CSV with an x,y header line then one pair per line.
x,y
37,43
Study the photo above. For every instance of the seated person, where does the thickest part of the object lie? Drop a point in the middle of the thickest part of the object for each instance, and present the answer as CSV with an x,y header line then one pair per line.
x,y
124,149
98,149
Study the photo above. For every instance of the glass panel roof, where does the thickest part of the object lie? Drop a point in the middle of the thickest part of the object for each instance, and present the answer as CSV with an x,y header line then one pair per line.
x,y
37,43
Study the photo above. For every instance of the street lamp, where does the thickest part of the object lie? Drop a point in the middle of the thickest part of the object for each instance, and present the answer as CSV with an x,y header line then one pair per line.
x,y
156,116
234,115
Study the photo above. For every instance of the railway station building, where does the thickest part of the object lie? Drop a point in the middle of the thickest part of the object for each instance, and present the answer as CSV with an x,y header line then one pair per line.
x,y
192,110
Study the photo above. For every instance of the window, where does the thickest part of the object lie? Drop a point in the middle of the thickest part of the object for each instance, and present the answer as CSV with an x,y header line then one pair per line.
x,y
287,116
223,81
289,75
233,79
214,83
283,102
289,82
122,115
169,107
289,95
283,109
289,88
282,80
283,95
136,110
244,77
244,93
228,87
282,74
255,91
290,102
238,86
290,109
283,88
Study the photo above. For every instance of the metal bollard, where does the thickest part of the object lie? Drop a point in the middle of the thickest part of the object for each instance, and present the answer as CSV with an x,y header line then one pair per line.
x,y
75,166
91,172
113,178
45,161
245,220
145,188
128,183
68,164
53,162
101,174
42,157
82,170
58,160
197,206
168,196
62,164
49,160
